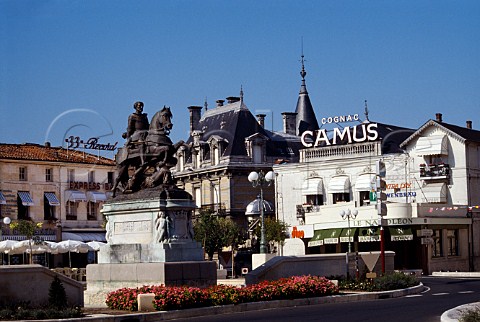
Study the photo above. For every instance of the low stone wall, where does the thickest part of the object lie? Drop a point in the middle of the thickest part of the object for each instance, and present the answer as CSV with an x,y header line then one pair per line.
x,y
104,278
319,265
31,283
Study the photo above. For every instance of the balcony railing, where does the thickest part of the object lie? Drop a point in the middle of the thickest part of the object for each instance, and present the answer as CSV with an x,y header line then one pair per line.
x,y
218,208
435,171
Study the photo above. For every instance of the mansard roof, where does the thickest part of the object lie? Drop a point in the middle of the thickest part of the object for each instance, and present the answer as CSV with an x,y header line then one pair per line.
x,y
37,152
234,122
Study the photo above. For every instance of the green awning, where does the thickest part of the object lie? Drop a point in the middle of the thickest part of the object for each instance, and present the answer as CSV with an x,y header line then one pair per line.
x,y
400,233
369,234
331,236
347,235
317,239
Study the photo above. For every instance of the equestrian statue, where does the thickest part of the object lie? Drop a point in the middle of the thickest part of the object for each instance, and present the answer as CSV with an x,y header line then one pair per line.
x,y
148,154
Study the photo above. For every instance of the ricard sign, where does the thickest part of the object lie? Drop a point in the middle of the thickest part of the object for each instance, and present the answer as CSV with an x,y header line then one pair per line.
x,y
351,134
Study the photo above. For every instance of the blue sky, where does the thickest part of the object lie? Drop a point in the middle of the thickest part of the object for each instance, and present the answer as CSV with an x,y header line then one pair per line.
x,y
76,67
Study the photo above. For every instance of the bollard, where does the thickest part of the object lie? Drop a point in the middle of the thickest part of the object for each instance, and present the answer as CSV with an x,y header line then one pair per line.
x,y
145,302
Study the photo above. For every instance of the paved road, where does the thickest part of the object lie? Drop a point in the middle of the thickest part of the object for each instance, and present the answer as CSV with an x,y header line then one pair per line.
x,y
442,294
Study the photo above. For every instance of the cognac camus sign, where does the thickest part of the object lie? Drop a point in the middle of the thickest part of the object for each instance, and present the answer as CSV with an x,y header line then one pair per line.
x,y
351,134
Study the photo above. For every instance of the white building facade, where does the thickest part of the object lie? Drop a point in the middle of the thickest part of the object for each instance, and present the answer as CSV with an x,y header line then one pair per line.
x,y
432,190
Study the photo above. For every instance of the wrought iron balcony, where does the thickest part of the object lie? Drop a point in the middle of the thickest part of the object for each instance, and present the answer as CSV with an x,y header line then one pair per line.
x,y
435,171
218,208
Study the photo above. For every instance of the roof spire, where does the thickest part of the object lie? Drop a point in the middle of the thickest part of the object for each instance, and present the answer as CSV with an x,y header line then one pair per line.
x,y
205,104
305,119
366,111
241,93
303,73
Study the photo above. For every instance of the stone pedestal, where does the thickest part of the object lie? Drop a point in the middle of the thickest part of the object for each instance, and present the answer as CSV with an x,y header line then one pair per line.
x,y
149,242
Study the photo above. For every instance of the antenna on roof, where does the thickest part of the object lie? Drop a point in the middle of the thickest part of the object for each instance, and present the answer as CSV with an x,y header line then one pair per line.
x,y
205,104
241,93
366,111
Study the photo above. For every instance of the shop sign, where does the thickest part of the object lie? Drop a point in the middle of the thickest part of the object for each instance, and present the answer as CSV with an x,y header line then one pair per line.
x,y
301,231
74,142
78,185
357,134
389,222
425,232
427,241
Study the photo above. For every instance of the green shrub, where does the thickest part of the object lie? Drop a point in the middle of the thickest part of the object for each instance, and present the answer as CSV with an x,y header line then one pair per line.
x,y
393,281
470,315
57,297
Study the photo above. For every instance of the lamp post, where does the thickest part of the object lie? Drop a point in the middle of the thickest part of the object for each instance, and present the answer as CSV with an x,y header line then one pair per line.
x,y
6,221
348,215
258,179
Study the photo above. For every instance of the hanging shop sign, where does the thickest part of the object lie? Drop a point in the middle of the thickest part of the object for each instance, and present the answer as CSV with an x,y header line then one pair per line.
x,y
351,134
74,142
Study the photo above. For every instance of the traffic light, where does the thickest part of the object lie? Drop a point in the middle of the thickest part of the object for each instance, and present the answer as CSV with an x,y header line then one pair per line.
x,y
381,171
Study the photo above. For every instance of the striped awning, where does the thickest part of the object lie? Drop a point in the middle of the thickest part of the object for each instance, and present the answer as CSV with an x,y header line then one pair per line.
x,y
94,196
75,195
365,182
432,145
52,199
312,186
433,192
84,236
340,184
3,201
25,198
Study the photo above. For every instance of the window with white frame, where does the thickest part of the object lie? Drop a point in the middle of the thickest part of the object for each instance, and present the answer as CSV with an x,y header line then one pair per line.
x,y
22,174
71,210
48,174
71,175
92,210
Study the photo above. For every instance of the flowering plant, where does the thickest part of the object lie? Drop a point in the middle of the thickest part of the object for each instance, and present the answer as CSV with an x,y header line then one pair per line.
x,y
183,297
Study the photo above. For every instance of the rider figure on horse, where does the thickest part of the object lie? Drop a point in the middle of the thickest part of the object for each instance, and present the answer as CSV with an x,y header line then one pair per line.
x,y
137,130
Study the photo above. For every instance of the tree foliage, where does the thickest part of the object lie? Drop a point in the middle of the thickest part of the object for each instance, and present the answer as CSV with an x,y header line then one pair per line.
x,y
275,231
28,228
215,232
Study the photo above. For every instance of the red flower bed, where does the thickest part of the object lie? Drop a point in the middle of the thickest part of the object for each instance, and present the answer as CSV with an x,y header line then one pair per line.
x,y
183,297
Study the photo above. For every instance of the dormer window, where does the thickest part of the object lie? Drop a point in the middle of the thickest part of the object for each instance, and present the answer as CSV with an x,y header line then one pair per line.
x,y
256,146
217,146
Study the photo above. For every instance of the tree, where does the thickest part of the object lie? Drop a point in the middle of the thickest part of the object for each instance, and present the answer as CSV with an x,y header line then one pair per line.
x,y
27,228
275,231
216,232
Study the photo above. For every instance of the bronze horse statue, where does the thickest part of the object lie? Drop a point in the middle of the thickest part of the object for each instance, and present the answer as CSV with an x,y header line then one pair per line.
x,y
158,152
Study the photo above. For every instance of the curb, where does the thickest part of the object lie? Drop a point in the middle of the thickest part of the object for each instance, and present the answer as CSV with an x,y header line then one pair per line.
x,y
454,314
244,307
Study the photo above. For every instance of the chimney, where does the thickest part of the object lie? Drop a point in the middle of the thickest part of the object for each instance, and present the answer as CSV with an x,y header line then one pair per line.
x,y
48,145
219,102
469,124
261,119
232,99
438,117
195,114
289,121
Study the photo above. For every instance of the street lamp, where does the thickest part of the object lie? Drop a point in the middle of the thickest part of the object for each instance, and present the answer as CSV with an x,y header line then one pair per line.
x,y
349,215
258,179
